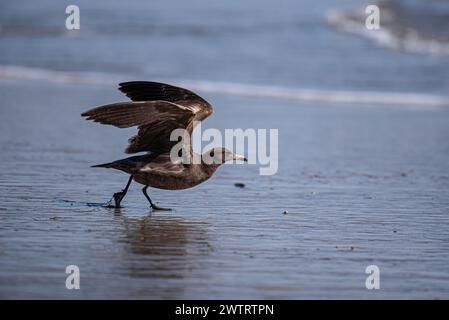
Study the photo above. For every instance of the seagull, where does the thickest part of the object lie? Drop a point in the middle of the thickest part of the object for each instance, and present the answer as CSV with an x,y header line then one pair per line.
x,y
157,109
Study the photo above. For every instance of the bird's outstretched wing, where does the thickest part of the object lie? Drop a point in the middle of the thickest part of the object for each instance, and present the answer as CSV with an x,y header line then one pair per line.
x,y
155,120
157,110
150,91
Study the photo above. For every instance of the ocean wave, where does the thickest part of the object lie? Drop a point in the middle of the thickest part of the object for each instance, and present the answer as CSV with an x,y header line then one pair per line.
x,y
237,89
403,27
53,76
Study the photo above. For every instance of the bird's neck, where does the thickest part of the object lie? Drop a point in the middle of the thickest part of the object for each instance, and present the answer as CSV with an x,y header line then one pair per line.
x,y
205,168
209,169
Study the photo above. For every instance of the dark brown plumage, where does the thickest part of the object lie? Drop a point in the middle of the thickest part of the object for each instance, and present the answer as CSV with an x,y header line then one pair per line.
x,y
156,110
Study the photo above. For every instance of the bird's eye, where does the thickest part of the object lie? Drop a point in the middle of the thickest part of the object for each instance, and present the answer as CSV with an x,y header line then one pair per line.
x,y
212,154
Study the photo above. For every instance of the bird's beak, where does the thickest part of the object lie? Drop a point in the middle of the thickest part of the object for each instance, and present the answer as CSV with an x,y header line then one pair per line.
x,y
239,157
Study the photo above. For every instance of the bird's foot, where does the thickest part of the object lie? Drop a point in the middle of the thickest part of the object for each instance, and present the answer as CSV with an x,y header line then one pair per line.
x,y
157,208
118,196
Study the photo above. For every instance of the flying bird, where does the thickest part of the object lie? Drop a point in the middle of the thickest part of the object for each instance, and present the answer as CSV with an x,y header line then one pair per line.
x,y
156,110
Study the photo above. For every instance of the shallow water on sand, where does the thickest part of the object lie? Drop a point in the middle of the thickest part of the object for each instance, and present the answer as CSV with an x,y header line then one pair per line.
x,y
362,186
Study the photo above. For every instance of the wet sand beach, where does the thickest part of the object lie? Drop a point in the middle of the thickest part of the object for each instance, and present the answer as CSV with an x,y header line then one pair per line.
x,y
362,186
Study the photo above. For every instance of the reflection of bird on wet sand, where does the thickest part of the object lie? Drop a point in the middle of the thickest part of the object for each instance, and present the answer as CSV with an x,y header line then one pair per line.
x,y
163,235
164,247
157,109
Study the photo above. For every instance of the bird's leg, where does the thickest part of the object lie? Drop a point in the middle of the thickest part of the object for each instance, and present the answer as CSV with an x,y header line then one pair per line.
x,y
153,206
118,196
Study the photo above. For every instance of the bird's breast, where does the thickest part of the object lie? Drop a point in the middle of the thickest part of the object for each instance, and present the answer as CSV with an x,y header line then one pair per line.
x,y
188,178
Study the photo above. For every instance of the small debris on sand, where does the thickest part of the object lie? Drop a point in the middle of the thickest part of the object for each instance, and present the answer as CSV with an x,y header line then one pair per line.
x,y
239,185
285,212
55,218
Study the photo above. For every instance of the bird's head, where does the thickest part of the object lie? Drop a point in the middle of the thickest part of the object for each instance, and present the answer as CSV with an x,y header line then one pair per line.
x,y
220,155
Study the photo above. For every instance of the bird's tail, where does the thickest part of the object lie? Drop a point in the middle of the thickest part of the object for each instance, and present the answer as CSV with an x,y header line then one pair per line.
x,y
122,165
104,165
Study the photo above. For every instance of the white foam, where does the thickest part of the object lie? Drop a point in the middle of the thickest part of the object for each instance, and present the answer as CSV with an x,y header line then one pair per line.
x,y
318,95
238,89
27,73
385,37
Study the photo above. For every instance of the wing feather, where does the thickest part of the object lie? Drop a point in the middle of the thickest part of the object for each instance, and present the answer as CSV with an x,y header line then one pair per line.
x,y
154,119
150,91
157,109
